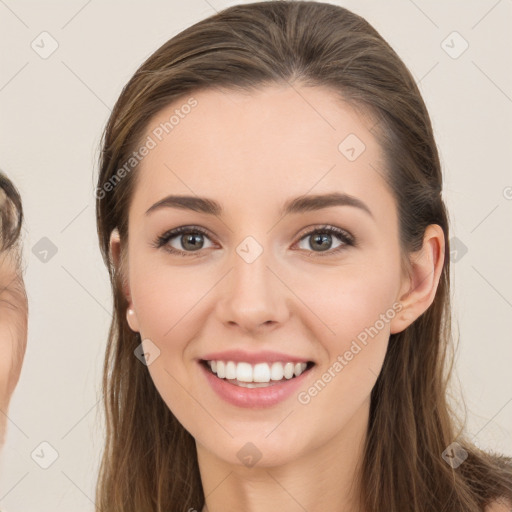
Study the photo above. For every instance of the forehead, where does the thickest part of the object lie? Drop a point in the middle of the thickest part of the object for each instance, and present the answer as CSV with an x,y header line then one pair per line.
x,y
273,143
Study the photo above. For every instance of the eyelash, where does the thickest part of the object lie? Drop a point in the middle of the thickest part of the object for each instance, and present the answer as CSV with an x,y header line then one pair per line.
x,y
344,236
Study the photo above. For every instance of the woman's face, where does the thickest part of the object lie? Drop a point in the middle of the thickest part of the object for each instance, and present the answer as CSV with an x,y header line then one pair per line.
x,y
13,329
257,280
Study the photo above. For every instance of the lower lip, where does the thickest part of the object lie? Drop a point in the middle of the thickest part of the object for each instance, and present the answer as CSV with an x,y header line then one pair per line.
x,y
253,397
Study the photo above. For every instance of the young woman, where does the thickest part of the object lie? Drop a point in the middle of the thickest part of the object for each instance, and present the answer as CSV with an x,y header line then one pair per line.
x,y
269,206
13,298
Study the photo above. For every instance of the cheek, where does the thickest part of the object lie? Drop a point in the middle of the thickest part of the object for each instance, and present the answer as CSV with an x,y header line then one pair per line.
x,y
163,297
13,340
6,363
353,310
4,374
358,310
343,301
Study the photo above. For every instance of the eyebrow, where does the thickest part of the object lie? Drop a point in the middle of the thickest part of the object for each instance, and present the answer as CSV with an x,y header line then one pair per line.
x,y
299,204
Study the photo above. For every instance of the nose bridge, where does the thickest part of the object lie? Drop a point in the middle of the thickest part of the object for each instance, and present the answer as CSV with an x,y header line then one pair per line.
x,y
252,295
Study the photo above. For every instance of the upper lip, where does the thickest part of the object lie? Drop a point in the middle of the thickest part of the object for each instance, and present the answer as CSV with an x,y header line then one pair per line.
x,y
263,356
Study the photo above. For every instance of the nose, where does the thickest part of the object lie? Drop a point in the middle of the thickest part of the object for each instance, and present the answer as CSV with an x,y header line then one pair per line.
x,y
252,296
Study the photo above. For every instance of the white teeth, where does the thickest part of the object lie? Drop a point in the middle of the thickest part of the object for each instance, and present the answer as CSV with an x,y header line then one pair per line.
x,y
221,370
243,372
230,370
260,372
288,370
277,371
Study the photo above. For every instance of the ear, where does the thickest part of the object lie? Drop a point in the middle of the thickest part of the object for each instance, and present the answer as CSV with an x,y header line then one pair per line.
x,y
121,272
419,288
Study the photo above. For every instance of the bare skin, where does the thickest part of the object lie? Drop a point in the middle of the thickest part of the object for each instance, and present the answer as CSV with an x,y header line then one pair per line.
x,y
13,330
252,153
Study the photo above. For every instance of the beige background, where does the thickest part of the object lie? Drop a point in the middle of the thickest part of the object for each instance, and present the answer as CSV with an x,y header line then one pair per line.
x,y
52,113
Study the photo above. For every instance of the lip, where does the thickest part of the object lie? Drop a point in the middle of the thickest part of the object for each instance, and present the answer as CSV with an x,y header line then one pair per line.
x,y
255,398
264,356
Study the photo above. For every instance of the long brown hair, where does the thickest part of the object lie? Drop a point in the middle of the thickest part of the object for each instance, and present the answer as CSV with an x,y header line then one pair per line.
x,y
150,462
11,214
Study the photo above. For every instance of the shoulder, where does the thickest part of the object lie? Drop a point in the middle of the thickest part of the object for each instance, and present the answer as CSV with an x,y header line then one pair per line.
x,y
499,505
